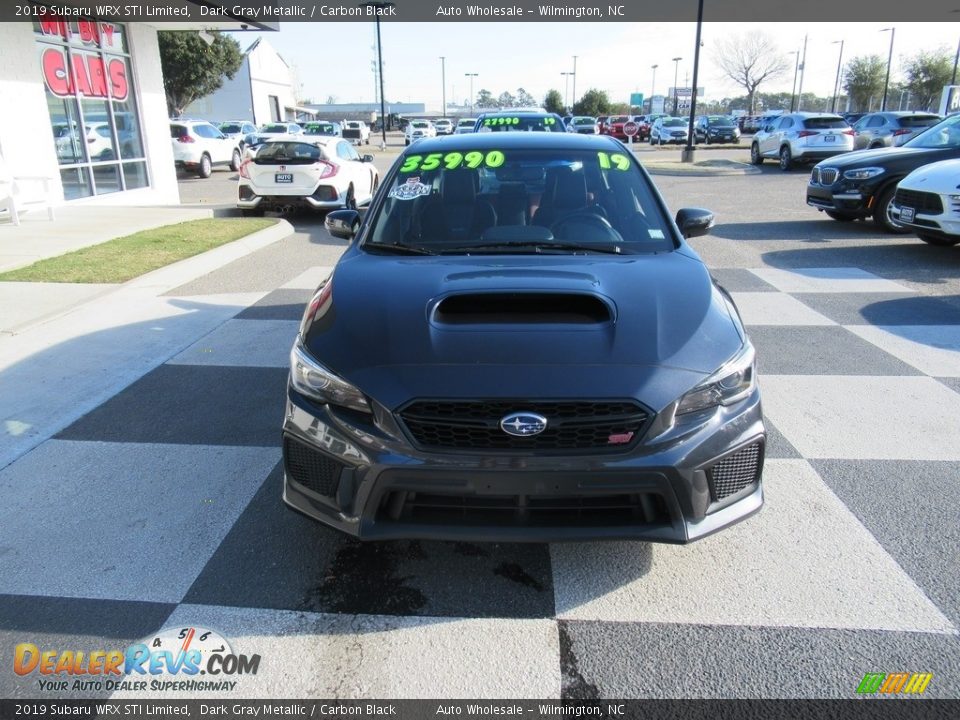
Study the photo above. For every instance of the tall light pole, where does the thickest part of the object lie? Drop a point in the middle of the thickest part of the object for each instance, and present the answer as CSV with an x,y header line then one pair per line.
x,y
796,69
471,76
566,87
956,58
886,82
803,70
574,93
653,85
836,83
443,82
688,152
676,74
379,7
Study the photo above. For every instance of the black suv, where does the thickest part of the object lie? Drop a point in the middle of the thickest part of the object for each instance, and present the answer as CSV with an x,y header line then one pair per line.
x,y
862,183
716,129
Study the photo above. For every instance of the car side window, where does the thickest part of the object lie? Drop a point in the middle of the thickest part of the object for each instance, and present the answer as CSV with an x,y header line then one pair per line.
x,y
207,131
877,121
345,151
784,124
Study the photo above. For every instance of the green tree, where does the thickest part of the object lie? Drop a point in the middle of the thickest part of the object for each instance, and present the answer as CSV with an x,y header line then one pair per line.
x,y
863,80
749,60
506,100
927,73
486,100
594,102
192,69
553,102
525,99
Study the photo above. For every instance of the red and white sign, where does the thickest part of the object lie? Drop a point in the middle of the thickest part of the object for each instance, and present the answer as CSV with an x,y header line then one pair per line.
x,y
631,128
88,74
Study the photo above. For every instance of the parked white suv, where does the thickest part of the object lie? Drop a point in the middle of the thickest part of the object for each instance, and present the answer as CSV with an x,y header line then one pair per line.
x,y
357,131
801,138
928,202
417,129
198,146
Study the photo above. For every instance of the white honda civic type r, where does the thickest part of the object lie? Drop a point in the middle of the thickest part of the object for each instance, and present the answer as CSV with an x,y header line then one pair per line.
x,y
316,172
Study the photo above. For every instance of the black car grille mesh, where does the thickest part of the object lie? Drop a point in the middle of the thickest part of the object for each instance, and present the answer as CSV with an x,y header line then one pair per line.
x,y
927,203
571,425
823,176
525,510
735,472
311,469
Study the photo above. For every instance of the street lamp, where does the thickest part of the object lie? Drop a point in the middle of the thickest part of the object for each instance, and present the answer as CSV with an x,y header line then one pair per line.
x,y
443,82
886,83
803,71
796,69
378,7
836,83
956,58
566,87
676,73
653,84
471,76
574,93
687,154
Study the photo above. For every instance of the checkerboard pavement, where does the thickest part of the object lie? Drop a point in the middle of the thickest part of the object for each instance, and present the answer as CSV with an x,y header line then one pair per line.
x,y
162,508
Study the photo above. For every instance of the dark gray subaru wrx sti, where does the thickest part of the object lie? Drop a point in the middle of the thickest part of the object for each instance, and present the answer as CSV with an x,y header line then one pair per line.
x,y
519,345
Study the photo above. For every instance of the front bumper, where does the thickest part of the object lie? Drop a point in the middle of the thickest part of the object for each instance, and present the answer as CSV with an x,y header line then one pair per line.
x,y
343,471
839,198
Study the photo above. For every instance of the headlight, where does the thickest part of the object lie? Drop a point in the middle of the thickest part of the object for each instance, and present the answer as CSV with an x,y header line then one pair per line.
x,y
863,173
732,382
310,378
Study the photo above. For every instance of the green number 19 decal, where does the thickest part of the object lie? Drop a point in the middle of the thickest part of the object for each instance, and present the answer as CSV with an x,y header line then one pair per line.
x,y
616,160
453,160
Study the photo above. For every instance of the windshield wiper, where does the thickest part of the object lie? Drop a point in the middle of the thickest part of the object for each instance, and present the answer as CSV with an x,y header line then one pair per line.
x,y
398,249
538,246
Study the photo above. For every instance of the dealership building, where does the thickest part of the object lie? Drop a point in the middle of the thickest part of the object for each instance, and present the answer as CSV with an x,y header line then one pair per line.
x,y
82,103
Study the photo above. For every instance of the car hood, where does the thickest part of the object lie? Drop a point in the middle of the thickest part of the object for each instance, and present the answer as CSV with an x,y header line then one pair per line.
x,y
940,177
383,329
881,156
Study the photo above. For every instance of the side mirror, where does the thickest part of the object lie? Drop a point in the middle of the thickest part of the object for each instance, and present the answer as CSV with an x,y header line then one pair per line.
x,y
342,224
367,158
694,222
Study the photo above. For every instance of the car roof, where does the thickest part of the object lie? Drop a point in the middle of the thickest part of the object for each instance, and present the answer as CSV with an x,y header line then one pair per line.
x,y
305,139
515,141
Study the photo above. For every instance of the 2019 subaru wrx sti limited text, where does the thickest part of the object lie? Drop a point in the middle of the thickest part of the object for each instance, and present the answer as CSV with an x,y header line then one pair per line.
x,y
520,345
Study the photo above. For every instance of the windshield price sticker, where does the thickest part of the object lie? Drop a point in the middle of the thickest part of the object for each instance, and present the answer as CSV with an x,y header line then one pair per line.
x,y
453,160
614,160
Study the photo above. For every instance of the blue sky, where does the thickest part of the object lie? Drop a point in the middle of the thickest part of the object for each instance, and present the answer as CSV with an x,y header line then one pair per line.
x,y
335,58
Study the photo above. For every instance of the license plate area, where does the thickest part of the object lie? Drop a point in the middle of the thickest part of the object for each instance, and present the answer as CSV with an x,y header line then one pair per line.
x,y
829,138
907,213
283,177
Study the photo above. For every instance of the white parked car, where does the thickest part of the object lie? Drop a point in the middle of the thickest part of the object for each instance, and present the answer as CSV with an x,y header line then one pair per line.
x,y
419,129
237,130
315,171
464,126
357,131
669,130
928,202
279,128
801,137
97,139
444,126
198,146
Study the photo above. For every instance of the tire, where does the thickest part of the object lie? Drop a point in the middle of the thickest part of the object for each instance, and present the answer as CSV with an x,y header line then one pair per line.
x,y
881,215
235,161
406,142
755,157
651,140
840,216
252,212
938,241
206,167
786,159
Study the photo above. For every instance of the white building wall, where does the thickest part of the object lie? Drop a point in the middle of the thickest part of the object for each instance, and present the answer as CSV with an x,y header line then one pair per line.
x,y
269,75
230,102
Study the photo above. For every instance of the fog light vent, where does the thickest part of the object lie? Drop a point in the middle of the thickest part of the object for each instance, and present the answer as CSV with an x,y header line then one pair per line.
x,y
314,470
735,472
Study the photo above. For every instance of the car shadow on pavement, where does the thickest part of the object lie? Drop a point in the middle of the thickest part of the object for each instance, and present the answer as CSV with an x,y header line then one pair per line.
x,y
904,257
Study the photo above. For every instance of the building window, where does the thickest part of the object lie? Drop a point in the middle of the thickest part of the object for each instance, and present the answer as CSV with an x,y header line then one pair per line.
x,y
274,108
93,109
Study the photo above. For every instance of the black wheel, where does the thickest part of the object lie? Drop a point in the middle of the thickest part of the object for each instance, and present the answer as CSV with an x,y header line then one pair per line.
x,y
937,240
406,142
755,157
235,161
786,159
706,139
206,167
351,202
252,212
651,139
881,212
840,216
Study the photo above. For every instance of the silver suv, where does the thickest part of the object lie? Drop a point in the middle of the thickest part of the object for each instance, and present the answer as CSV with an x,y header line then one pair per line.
x,y
801,138
890,129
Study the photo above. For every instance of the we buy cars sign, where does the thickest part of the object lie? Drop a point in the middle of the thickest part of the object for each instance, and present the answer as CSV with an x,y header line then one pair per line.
x,y
87,74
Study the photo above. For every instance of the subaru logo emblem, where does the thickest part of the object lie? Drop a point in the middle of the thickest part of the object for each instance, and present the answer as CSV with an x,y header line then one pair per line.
x,y
523,424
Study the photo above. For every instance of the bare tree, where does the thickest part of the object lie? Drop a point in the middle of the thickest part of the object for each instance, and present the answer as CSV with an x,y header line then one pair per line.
x,y
750,59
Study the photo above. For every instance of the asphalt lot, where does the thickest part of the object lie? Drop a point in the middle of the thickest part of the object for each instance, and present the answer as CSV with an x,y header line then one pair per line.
x,y
850,567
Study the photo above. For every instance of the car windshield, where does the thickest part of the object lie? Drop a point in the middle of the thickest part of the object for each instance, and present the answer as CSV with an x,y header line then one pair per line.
x,y
584,121
530,201
914,121
825,123
274,129
675,122
523,123
720,121
420,125
619,119
288,153
467,122
945,134
230,128
319,129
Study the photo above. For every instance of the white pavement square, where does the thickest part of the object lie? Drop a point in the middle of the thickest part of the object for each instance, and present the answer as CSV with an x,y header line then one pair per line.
x,y
933,349
803,561
372,656
827,280
849,417
123,521
770,308
243,343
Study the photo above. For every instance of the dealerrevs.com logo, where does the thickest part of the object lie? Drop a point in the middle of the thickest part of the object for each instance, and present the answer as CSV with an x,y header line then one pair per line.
x,y
173,660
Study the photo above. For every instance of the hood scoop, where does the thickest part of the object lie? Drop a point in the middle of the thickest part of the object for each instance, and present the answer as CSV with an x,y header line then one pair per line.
x,y
523,308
